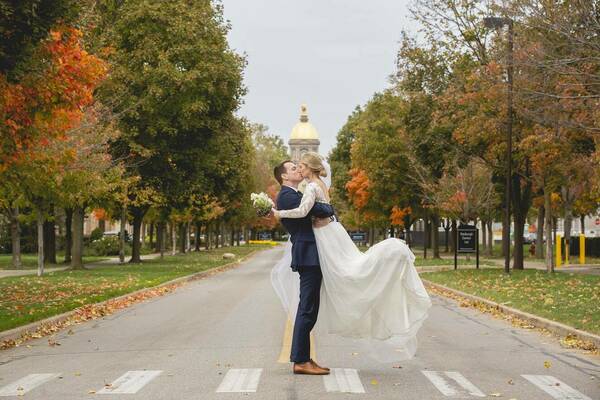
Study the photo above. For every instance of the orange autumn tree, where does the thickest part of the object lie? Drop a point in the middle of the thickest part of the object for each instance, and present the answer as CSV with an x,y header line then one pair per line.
x,y
358,188
40,110
51,97
398,215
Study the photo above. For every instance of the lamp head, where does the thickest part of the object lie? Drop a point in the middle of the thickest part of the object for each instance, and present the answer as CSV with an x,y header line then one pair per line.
x,y
494,22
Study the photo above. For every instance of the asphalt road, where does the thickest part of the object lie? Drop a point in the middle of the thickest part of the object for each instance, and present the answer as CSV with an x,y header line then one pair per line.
x,y
221,338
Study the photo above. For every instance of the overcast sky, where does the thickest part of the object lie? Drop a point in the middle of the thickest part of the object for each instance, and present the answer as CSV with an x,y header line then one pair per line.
x,y
330,54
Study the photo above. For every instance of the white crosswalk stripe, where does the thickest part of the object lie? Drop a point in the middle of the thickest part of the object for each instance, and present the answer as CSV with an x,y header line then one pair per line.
x,y
130,382
447,388
240,381
555,388
25,384
344,380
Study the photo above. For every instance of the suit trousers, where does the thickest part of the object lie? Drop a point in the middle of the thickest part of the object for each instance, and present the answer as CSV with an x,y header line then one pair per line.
x,y
308,309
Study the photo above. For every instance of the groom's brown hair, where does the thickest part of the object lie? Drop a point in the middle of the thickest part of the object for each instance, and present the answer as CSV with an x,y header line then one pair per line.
x,y
280,170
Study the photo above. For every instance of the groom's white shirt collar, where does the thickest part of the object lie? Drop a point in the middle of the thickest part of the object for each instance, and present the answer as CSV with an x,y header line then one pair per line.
x,y
291,187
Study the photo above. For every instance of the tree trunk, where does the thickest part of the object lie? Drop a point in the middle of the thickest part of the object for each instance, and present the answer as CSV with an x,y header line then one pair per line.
x,y
519,220
435,223
77,249
207,236
237,236
447,226
15,235
151,244
582,222
143,233
138,217
160,238
504,228
490,228
232,236
198,229
68,234
49,242
188,231
122,234
102,225
173,239
221,234
425,236
484,235
539,240
40,234
568,199
182,244
548,223
522,194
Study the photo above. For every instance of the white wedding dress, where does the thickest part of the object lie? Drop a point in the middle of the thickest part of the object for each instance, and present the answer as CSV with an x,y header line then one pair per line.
x,y
376,298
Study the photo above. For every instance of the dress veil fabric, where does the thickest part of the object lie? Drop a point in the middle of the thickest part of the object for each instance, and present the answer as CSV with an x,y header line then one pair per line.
x,y
375,299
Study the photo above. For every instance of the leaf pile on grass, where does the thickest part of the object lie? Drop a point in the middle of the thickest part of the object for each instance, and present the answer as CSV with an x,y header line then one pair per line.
x,y
572,299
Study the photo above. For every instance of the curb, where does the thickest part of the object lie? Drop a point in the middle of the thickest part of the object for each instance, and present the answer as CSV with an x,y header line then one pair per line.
x,y
538,322
31,329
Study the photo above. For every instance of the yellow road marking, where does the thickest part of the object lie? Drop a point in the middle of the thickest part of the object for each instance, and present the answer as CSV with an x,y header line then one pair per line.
x,y
286,346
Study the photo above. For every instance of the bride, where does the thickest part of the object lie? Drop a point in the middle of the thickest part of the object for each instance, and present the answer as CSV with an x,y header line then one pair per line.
x,y
375,297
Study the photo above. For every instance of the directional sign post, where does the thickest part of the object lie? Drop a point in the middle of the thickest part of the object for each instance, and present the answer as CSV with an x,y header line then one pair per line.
x,y
467,241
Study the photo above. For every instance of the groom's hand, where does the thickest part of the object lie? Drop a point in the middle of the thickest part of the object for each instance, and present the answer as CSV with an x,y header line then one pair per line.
x,y
271,214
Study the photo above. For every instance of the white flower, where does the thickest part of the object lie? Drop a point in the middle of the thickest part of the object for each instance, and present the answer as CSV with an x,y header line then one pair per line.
x,y
262,203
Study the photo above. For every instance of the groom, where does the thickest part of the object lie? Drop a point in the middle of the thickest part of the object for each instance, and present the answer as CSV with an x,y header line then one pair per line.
x,y
305,261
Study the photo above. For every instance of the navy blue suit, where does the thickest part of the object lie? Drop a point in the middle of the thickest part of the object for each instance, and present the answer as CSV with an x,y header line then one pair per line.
x,y
305,260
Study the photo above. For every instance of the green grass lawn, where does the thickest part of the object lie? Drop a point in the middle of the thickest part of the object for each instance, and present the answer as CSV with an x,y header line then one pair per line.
x,y
29,261
27,299
573,299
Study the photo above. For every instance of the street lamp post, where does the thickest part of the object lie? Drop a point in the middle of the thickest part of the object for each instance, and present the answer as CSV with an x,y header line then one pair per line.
x,y
497,22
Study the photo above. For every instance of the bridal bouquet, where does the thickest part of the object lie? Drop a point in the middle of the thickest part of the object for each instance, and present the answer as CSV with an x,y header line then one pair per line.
x,y
262,203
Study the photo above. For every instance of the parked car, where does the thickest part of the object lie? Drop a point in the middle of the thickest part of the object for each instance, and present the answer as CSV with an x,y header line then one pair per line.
x,y
264,236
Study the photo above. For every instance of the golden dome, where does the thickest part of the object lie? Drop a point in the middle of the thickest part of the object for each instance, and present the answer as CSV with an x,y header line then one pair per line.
x,y
304,129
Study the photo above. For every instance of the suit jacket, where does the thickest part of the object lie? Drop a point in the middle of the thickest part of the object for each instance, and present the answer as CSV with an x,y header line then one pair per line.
x,y
304,247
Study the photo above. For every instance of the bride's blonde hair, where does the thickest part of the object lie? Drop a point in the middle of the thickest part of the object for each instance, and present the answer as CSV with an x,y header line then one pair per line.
x,y
315,162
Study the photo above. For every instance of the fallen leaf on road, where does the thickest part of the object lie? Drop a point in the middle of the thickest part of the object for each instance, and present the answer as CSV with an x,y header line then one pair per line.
x,y
547,364
511,382
374,382
397,366
354,354
496,394
91,392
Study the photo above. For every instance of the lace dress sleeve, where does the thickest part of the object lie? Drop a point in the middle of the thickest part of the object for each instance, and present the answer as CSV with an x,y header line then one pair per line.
x,y
307,202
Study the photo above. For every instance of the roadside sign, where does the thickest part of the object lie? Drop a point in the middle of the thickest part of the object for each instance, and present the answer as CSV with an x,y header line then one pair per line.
x,y
467,239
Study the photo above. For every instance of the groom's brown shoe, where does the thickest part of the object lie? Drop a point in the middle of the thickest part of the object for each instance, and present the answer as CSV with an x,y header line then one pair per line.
x,y
308,368
317,365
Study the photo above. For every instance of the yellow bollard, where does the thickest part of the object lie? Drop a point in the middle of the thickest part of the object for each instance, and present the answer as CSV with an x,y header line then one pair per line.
x,y
558,251
581,248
